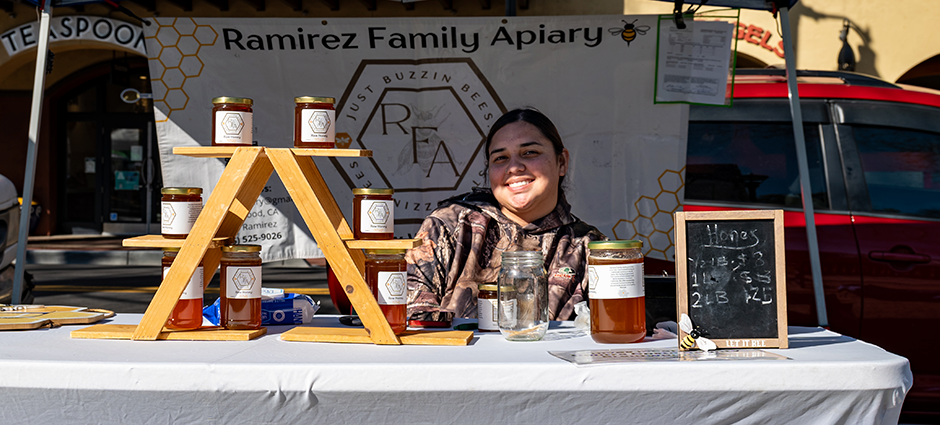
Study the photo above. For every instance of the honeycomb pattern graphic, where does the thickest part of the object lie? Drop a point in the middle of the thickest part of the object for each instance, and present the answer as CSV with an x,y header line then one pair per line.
x,y
243,279
396,285
654,224
177,60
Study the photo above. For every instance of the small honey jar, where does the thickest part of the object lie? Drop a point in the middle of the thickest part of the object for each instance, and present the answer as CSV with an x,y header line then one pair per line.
x,y
240,287
179,208
373,214
617,293
231,121
314,122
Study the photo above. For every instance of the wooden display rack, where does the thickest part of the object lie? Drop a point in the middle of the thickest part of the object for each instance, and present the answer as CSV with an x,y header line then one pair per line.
x,y
240,185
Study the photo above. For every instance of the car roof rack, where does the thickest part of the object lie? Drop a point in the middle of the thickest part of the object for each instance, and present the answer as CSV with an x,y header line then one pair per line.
x,y
849,78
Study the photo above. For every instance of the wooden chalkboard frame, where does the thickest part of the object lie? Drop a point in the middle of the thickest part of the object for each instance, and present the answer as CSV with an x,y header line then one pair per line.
x,y
682,293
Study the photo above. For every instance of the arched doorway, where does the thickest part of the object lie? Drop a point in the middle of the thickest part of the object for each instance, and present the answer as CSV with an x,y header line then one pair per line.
x,y
744,60
925,74
109,176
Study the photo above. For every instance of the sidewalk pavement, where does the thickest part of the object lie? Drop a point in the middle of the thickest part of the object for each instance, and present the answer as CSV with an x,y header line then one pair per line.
x,y
109,251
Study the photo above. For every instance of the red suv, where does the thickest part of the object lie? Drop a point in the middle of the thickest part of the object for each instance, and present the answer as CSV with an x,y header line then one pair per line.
x,y
874,158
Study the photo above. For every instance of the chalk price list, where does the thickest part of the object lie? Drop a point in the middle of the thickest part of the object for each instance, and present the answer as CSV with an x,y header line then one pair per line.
x,y
736,271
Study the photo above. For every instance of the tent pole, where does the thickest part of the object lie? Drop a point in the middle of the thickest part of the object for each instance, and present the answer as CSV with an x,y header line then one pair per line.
x,y
805,189
35,116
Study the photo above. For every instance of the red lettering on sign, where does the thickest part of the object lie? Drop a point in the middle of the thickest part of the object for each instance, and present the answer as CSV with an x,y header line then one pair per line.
x,y
753,30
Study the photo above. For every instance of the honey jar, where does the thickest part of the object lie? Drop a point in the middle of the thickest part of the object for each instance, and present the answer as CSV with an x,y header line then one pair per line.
x,y
487,320
387,276
314,122
187,314
179,208
616,291
240,287
231,121
373,214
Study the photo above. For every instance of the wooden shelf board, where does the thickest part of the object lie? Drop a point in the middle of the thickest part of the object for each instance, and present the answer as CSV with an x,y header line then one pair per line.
x,y
206,334
157,241
332,152
359,336
383,244
206,151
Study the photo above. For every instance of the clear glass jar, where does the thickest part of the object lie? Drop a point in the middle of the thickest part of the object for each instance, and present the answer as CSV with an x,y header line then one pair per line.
x,y
387,276
314,122
522,293
187,314
240,287
616,291
373,214
179,208
231,121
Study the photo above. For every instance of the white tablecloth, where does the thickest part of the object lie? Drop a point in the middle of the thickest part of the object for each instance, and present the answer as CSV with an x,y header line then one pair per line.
x,y
48,378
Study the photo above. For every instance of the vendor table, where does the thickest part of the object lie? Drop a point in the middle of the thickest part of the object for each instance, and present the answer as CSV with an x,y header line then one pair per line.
x,y
47,377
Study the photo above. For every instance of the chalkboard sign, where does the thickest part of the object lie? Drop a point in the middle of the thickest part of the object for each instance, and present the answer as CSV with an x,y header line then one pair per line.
x,y
730,277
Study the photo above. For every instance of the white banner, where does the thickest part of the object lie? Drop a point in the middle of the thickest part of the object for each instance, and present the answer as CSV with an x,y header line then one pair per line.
x,y
422,93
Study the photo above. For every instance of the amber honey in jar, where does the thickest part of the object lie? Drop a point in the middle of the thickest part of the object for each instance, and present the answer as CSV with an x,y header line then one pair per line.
x,y
373,214
179,208
187,314
314,122
231,121
616,291
387,276
240,287
487,296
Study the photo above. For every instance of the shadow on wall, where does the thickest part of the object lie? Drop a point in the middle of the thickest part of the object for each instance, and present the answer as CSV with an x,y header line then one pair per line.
x,y
865,62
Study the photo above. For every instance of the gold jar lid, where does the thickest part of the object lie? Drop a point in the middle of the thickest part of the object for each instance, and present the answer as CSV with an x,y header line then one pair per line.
x,y
241,248
171,249
370,191
314,99
385,251
492,287
181,191
625,244
229,99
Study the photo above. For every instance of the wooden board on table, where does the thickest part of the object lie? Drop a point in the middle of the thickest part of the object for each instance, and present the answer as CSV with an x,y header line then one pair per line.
x,y
383,244
206,151
332,152
731,276
158,241
205,334
34,317
360,336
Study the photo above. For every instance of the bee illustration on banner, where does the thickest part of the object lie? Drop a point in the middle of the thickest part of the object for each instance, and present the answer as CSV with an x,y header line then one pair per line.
x,y
630,30
694,337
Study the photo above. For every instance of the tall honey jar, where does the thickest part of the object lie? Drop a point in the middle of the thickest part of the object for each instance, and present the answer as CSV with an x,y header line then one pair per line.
x,y
373,214
231,121
314,122
179,208
387,276
240,287
187,314
616,291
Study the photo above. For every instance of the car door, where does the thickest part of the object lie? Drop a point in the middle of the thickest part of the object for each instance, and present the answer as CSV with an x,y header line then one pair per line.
x,y
892,156
744,157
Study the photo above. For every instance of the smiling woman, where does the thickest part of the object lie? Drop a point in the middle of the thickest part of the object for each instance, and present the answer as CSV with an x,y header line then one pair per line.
x,y
524,209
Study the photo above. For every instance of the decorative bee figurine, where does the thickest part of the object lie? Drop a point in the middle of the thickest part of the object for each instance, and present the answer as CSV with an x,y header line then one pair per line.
x,y
694,337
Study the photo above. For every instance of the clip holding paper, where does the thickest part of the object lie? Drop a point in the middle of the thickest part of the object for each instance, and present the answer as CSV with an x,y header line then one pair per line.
x,y
677,15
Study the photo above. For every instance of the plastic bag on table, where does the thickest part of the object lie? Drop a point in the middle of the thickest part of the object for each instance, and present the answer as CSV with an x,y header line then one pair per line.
x,y
276,309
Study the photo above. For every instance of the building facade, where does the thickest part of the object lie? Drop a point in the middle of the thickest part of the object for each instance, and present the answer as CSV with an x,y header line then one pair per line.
x,y
97,170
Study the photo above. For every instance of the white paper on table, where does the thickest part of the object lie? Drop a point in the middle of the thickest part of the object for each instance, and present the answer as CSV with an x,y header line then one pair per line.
x,y
693,63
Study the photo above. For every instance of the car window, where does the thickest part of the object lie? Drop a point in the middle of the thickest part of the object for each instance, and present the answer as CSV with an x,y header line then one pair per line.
x,y
751,162
901,168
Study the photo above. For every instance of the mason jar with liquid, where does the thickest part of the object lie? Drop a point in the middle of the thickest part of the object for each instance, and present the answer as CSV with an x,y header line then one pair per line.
x,y
232,121
240,287
616,291
314,122
522,296
187,314
387,276
179,208
373,214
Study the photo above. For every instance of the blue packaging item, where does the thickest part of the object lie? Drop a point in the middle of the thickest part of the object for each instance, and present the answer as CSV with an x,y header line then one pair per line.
x,y
288,309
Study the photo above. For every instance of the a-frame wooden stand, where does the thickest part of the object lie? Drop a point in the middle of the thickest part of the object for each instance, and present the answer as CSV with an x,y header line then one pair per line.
x,y
226,209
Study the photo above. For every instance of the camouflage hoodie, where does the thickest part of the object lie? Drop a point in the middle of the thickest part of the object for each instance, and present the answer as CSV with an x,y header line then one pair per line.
x,y
463,241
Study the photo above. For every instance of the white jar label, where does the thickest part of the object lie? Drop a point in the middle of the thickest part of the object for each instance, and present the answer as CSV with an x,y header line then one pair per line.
x,y
194,289
393,288
486,314
243,282
377,216
177,218
615,281
233,128
317,125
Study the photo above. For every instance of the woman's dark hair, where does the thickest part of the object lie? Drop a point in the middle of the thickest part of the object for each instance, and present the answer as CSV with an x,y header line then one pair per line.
x,y
537,119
